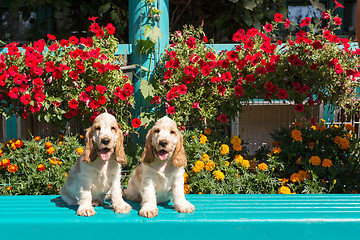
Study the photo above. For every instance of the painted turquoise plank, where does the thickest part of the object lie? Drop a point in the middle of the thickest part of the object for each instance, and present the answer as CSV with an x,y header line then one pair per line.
x,y
215,217
11,128
124,49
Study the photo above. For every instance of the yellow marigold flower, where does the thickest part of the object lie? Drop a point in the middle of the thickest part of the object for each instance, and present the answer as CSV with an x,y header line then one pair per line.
x,y
205,157
79,150
60,143
81,136
19,143
327,163
41,167
322,120
218,175
284,190
37,138
296,135
210,165
350,127
200,193
51,150
203,139
239,159
276,150
186,189
315,160
5,162
224,149
12,168
199,165
262,166
235,140
245,164
283,181
207,131
193,137
13,146
227,163
186,177
48,144
237,147
8,188
313,128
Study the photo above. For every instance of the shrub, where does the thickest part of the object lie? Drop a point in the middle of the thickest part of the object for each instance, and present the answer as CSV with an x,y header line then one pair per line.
x,y
37,166
317,159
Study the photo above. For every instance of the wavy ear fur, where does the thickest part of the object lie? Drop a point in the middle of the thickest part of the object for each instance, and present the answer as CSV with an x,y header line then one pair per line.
x,y
148,153
179,158
90,153
119,151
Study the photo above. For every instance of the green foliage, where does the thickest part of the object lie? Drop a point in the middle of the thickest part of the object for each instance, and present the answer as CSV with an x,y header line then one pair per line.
x,y
29,177
317,159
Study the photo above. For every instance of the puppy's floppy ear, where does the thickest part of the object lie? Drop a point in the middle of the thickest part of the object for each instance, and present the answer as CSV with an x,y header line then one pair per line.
x,y
90,153
148,153
119,151
179,158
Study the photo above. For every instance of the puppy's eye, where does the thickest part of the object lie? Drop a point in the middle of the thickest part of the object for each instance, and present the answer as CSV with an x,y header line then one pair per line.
x,y
98,128
113,128
156,130
172,132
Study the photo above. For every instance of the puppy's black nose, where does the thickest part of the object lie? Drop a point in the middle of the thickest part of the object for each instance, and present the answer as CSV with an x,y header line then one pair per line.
x,y
163,143
105,141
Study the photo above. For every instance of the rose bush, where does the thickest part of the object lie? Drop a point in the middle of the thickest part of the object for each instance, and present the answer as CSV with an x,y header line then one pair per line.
x,y
314,66
59,80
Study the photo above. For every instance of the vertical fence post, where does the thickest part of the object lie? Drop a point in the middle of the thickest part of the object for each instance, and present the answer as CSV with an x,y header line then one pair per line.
x,y
138,18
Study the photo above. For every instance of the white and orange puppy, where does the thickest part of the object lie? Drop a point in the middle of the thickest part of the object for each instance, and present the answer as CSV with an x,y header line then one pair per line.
x,y
159,177
97,172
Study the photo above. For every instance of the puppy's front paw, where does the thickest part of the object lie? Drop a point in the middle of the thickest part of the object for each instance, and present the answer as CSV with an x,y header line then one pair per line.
x,y
148,212
86,212
122,208
185,207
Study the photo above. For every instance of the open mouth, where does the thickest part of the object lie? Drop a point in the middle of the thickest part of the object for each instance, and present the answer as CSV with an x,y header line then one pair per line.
x,y
105,154
162,154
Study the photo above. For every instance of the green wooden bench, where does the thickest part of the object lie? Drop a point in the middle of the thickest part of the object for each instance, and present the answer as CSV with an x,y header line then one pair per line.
x,y
252,217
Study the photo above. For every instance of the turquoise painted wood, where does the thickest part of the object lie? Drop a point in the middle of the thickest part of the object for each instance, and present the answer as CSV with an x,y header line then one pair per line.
x,y
295,217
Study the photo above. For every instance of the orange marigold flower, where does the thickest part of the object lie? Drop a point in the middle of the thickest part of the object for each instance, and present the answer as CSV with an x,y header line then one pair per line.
x,y
315,160
284,190
186,189
350,127
5,162
296,177
48,144
218,175
79,150
235,140
203,139
327,163
186,177
8,188
296,135
19,143
51,150
237,147
40,167
210,165
262,166
37,138
199,165
205,157
305,174
276,150
207,131
275,143
12,168
224,149
1,152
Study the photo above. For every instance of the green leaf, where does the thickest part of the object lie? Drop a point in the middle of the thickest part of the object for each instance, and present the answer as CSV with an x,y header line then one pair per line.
x,y
316,4
144,46
147,90
247,18
250,5
104,8
152,33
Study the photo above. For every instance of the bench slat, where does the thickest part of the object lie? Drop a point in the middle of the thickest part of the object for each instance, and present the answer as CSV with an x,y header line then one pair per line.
x,y
216,216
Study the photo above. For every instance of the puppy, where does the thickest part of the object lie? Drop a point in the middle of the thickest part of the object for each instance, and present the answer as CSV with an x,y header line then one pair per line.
x,y
159,177
97,172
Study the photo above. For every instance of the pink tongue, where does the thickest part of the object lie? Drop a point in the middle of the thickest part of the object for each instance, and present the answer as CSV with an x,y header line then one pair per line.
x,y
163,155
105,154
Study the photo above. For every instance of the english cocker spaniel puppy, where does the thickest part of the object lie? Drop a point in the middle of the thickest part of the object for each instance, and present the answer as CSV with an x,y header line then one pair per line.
x,y
97,172
159,177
